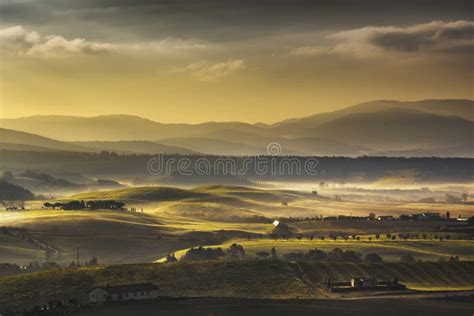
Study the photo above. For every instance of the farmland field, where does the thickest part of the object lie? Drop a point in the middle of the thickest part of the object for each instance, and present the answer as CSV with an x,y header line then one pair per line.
x,y
389,250
239,279
172,219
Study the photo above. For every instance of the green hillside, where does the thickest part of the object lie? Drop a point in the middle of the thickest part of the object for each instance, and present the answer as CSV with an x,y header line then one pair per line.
x,y
389,250
143,193
243,279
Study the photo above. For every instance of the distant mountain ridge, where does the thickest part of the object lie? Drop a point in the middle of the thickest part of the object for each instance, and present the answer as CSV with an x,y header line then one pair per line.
x,y
22,141
366,128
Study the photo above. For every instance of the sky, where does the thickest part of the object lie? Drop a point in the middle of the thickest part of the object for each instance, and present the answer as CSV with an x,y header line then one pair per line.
x,y
220,60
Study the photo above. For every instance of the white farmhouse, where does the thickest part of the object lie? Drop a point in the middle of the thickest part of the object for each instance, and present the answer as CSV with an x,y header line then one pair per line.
x,y
124,292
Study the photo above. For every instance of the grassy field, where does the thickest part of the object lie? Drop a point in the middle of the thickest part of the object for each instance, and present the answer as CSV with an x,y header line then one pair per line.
x,y
389,250
174,219
245,201
16,250
241,279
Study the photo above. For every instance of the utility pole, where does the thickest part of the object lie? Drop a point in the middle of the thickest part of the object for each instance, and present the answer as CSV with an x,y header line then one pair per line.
x,y
77,256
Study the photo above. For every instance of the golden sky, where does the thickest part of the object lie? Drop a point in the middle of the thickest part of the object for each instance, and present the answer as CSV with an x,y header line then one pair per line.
x,y
187,63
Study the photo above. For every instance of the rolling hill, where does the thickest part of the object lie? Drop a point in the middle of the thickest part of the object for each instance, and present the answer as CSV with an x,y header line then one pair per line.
x,y
144,194
298,126
16,139
399,128
114,127
367,128
237,279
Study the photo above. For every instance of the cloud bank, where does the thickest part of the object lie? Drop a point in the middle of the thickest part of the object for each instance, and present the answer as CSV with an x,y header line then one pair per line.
x,y
16,40
456,37
20,42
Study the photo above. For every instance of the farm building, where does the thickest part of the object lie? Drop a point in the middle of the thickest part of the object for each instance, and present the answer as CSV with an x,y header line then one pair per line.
x,y
385,218
124,292
363,282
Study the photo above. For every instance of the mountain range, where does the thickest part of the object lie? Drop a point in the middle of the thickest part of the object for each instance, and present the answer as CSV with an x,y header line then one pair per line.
x,y
442,128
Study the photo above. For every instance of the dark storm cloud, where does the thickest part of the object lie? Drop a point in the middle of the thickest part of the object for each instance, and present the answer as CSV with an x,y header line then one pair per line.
x,y
443,35
218,20
435,37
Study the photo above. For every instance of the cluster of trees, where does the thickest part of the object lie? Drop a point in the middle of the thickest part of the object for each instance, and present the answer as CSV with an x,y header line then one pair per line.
x,y
34,266
54,307
418,236
81,205
200,253
235,252
336,255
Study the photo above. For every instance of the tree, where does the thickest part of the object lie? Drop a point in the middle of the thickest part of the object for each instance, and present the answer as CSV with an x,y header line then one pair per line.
x,y
274,253
72,265
407,258
236,252
373,258
315,255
